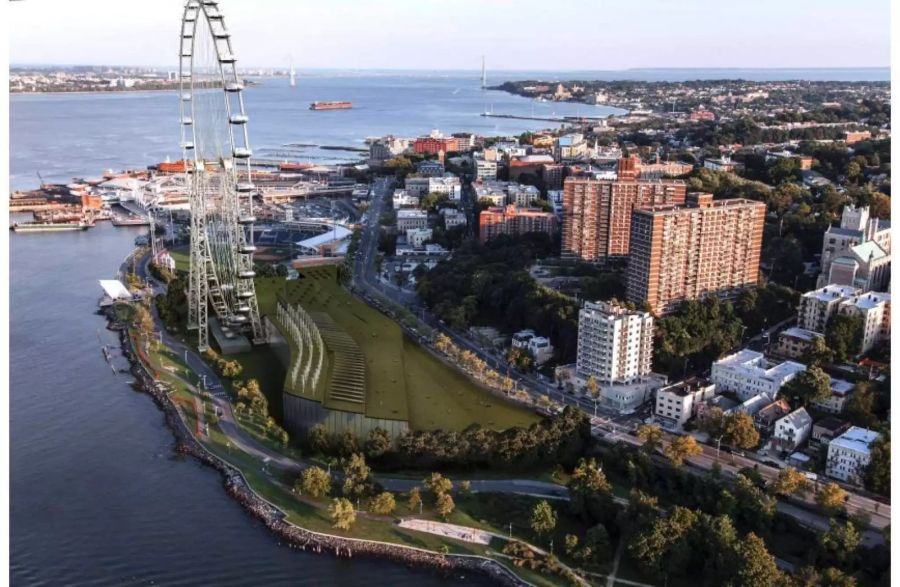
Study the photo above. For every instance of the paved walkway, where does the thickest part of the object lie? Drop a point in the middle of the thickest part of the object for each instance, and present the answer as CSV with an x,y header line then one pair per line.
x,y
464,533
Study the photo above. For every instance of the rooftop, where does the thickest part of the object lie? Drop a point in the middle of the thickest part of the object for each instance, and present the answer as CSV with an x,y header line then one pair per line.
x,y
856,439
798,418
869,300
837,230
831,423
411,214
801,333
840,387
831,292
754,364
688,386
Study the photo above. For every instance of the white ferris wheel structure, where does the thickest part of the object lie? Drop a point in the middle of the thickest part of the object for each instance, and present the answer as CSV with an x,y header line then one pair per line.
x,y
216,151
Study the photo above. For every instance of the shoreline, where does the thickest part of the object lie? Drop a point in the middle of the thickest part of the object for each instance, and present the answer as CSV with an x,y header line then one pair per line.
x,y
93,92
297,537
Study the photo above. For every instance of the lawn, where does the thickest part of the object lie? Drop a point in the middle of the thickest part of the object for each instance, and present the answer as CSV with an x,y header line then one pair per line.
x,y
182,257
401,376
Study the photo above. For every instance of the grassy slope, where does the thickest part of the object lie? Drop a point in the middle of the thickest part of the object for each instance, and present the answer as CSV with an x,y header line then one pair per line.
x,y
437,396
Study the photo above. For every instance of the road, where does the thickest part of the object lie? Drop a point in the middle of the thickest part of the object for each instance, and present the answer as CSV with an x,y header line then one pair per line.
x,y
606,425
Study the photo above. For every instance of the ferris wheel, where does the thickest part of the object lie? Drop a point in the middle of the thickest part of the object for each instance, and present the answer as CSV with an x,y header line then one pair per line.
x,y
217,152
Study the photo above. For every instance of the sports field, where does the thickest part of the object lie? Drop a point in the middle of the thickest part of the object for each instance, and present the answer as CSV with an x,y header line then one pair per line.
x,y
401,376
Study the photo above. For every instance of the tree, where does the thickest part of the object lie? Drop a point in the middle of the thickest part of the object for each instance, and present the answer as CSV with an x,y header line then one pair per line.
x,y
661,547
682,448
860,410
756,566
713,422
315,482
596,547
543,518
832,577
342,513
877,475
739,431
807,387
378,442
415,499
843,335
651,436
839,544
589,477
571,544
356,476
831,497
444,505
818,354
880,206
790,482
592,387
438,485
317,437
142,319
520,358
383,503
348,444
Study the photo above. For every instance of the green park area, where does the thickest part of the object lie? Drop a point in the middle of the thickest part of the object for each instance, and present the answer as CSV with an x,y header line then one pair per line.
x,y
400,374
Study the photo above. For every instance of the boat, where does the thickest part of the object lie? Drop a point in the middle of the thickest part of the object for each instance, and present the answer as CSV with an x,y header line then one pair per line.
x,y
49,226
130,221
330,105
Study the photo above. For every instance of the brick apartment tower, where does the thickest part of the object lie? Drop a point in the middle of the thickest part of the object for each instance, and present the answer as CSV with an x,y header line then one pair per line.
x,y
509,219
682,253
597,213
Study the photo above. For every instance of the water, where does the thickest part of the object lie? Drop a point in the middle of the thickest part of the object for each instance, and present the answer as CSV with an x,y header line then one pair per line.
x,y
96,495
80,135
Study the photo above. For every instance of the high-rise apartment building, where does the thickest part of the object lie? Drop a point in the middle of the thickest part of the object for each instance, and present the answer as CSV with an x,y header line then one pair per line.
x,y
687,252
597,213
818,306
615,345
510,219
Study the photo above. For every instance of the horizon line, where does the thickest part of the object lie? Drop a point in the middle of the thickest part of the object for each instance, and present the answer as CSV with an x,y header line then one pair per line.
x,y
478,69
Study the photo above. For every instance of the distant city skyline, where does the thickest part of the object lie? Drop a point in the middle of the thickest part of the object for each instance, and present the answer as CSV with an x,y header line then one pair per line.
x,y
527,35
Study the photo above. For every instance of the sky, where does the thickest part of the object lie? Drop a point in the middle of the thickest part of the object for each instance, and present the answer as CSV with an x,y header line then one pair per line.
x,y
554,35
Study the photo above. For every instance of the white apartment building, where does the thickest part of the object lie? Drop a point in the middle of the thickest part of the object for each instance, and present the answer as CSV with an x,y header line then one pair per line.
x,y
491,190
614,344
417,237
837,401
407,219
818,306
453,217
486,170
522,195
403,199
679,402
448,185
540,347
875,310
849,454
792,430
748,373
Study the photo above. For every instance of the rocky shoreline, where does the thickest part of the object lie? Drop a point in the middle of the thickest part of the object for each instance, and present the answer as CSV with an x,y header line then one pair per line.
x,y
296,537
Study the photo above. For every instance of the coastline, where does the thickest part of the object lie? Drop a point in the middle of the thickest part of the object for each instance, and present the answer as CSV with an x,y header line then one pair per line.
x,y
295,536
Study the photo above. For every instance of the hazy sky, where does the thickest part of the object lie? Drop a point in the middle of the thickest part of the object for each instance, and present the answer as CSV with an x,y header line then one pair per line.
x,y
453,34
